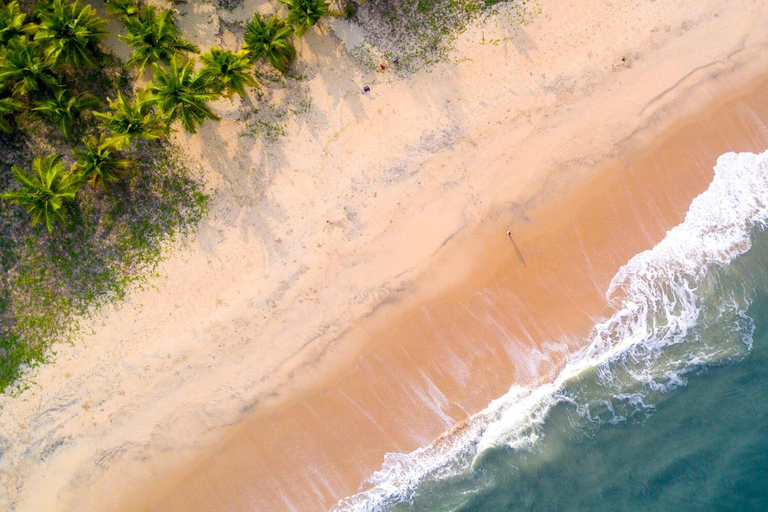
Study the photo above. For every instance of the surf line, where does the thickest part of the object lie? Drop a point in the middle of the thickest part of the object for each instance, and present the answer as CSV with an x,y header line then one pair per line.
x,y
517,249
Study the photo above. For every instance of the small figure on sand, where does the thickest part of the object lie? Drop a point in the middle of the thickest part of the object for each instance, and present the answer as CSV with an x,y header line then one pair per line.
x,y
366,89
517,249
395,60
383,67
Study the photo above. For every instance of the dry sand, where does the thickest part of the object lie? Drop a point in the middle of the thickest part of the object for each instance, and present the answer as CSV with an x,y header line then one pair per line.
x,y
395,204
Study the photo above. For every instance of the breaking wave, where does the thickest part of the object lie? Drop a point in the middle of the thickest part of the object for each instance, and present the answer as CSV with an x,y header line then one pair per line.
x,y
670,315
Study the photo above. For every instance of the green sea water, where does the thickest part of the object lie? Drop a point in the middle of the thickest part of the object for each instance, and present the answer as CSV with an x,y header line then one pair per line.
x,y
702,447
666,407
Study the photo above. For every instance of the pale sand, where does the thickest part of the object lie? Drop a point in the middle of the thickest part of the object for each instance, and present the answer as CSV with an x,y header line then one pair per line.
x,y
311,233
425,367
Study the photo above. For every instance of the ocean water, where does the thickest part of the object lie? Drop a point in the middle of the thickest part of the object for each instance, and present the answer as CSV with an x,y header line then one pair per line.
x,y
666,407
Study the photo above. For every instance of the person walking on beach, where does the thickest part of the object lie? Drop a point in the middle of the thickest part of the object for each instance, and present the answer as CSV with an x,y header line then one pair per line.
x,y
366,89
517,249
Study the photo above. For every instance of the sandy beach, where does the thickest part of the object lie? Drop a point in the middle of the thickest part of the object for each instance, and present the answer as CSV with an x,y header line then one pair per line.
x,y
353,291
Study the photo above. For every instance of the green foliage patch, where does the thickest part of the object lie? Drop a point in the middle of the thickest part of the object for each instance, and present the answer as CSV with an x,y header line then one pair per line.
x,y
421,32
100,187
108,243
86,156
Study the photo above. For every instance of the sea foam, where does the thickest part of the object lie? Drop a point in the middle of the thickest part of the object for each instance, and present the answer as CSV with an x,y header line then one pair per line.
x,y
667,309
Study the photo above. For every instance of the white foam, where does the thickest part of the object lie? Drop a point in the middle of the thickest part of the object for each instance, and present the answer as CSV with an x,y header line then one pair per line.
x,y
648,345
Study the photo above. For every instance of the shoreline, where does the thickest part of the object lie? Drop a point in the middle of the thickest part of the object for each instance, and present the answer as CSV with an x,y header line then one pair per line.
x,y
120,449
314,429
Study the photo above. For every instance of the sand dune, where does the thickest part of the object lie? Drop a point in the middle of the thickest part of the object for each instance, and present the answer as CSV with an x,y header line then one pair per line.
x,y
390,206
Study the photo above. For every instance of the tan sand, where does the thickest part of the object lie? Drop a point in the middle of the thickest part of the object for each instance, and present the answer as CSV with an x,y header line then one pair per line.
x,y
512,322
390,198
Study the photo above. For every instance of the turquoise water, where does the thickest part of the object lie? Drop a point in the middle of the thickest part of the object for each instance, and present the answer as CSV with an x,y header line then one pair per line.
x,y
701,446
666,408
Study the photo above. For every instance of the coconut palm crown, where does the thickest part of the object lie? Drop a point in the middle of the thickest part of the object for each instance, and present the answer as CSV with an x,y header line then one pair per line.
x,y
271,40
45,190
8,106
303,14
70,33
127,120
64,107
183,94
154,38
12,22
226,71
98,162
24,69
121,8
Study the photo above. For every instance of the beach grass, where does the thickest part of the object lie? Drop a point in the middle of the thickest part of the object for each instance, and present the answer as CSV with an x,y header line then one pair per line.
x,y
422,32
110,243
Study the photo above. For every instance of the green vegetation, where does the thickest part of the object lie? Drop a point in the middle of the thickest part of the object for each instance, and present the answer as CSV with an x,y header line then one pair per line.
x,y
69,33
98,163
44,192
304,14
63,96
227,72
12,23
181,93
63,108
270,40
104,244
90,186
154,38
23,69
422,32
8,107
133,119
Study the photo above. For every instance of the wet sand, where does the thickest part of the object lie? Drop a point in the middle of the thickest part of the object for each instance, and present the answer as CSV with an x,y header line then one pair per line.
x,y
529,301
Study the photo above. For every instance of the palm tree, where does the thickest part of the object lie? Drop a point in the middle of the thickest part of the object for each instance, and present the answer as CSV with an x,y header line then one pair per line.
x,y
227,72
304,14
44,191
7,107
183,94
127,120
98,162
12,22
270,40
63,108
70,32
23,68
154,38
121,9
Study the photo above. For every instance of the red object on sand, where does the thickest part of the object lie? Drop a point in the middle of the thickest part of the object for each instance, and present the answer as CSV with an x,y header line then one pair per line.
x,y
383,67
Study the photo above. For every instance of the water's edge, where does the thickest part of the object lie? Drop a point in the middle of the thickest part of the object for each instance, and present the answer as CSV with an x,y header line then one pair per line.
x,y
674,309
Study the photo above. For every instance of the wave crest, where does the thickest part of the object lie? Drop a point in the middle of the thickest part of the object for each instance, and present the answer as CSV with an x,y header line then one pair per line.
x,y
671,316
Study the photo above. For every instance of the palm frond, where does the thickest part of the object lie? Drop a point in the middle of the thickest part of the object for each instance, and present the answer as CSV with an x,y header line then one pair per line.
x,y
183,94
23,68
227,72
303,14
154,38
70,33
8,106
98,162
127,119
270,40
63,108
44,191
12,22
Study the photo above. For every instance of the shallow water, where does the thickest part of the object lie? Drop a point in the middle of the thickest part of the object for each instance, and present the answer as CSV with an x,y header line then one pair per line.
x,y
666,408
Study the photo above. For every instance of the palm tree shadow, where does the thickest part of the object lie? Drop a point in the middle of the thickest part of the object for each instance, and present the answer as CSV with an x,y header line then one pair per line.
x,y
246,166
320,55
